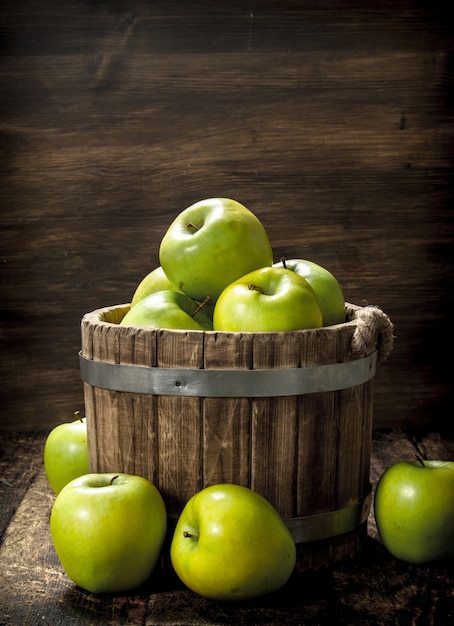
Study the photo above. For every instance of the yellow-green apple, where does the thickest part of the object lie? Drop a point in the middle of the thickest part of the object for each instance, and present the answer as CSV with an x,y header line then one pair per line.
x,y
156,280
169,309
212,243
268,299
230,544
108,531
326,286
414,510
66,453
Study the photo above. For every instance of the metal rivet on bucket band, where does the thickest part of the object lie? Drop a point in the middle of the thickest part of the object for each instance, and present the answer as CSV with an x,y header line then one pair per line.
x,y
227,383
331,524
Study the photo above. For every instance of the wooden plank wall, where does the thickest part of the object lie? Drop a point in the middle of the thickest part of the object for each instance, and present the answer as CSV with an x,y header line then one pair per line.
x,y
331,120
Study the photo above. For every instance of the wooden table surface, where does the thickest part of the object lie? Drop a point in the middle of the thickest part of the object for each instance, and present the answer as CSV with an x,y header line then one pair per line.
x,y
374,588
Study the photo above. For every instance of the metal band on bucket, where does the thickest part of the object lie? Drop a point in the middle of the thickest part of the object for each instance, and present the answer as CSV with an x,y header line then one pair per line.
x,y
227,383
322,526
331,524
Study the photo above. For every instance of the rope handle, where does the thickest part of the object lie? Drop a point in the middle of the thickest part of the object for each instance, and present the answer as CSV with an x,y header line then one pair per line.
x,y
374,330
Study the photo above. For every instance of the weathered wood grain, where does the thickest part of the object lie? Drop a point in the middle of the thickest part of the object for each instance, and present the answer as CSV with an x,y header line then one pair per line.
x,y
227,427
180,439
21,460
332,121
374,588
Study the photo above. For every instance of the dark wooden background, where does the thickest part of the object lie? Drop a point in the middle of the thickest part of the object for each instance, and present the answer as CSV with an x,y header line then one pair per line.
x,y
331,120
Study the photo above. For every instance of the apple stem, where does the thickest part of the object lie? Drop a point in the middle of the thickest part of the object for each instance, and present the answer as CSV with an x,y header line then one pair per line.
x,y
419,450
284,264
186,534
201,305
420,460
255,288
113,478
192,226
78,415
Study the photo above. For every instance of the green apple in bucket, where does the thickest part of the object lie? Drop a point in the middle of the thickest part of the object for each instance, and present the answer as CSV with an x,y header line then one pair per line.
x,y
212,243
156,280
230,544
170,309
270,299
326,286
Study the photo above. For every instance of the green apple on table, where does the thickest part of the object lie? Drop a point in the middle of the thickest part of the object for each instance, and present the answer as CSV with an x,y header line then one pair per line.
x,y
66,453
326,286
212,243
156,280
268,299
414,510
108,531
230,544
170,309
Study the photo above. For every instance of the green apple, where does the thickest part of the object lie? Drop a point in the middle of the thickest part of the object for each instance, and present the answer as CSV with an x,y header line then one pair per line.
x,y
212,243
414,510
108,531
66,453
269,299
326,286
156,280
230,544
169,309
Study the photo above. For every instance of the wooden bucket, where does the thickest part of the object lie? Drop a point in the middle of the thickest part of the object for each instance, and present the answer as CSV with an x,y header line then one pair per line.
x,y
288,414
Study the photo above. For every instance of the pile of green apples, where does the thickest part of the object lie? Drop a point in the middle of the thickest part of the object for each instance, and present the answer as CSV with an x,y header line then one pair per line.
x,y
229,543
217,273
109,529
